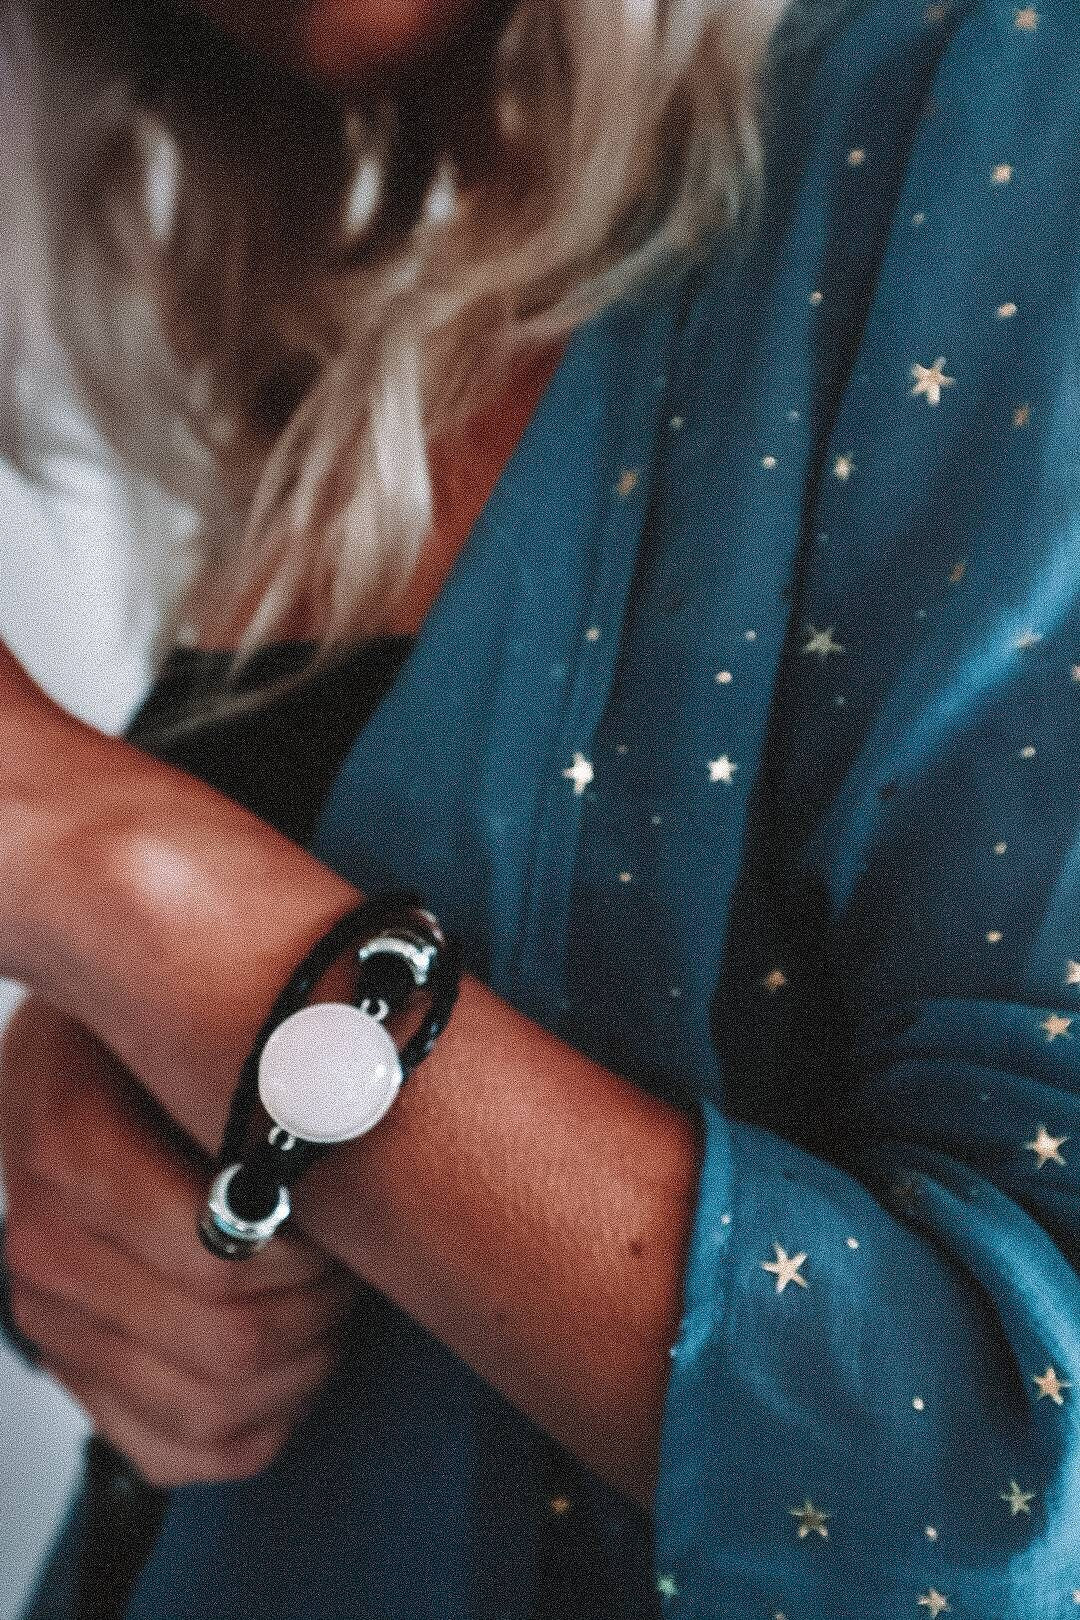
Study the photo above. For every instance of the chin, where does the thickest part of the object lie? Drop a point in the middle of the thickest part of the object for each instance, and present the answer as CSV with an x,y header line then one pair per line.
x,y
338,41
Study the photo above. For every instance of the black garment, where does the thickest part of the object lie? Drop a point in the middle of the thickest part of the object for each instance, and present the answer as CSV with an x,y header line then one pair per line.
x,y
279,760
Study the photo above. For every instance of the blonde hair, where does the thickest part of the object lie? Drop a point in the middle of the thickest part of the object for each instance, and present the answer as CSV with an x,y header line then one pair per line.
x,y
279,298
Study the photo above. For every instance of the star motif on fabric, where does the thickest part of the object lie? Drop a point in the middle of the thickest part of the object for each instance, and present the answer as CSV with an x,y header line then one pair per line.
x,y
666,1586
560,1506
786,1269
934,1601
593,633
1026,19
1006,311
813,1521
1001,174
930,381
1026,639
774,981
628,482
1075,672
1021,416
1057,1024
957,572
1051,1386
580,773
1019,1501
856,157
1046,1148
822,642
843,467
722,770
1072,973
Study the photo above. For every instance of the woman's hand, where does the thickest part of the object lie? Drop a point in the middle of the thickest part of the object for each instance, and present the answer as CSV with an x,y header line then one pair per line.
x,y
194,1368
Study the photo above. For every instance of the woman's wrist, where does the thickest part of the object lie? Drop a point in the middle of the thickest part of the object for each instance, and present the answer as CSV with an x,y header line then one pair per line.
x,y
153,910
39,790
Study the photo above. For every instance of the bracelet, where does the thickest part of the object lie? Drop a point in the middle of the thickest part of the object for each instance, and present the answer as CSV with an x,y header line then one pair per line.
x,y
326,1072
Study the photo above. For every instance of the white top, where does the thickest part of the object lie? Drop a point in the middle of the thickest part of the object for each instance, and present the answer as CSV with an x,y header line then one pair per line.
x,y
73,605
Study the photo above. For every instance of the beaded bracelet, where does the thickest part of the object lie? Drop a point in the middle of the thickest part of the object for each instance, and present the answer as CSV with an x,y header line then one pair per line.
x,y
324,1073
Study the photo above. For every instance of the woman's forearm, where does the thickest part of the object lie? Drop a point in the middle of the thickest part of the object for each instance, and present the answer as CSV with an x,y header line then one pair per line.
x,y
523,1204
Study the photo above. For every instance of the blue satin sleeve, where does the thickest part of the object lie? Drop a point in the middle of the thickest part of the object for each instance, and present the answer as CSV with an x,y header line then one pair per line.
x,y
874,1405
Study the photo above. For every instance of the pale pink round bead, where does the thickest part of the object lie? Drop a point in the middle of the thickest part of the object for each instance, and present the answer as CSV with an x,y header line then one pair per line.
x,y
328,1073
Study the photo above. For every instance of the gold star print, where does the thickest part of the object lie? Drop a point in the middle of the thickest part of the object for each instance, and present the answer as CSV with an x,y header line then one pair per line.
x,y
722,770
1056,1025
1001,174
666,1586
785,1268
628,482
1019,1501
560,1506
1072,973
856,157
930,380
580,773
843,467
934,1601
1027,639
1046,1148
774,981
1026,19
1051,1386
957,572
812,1521
822,642
1021,416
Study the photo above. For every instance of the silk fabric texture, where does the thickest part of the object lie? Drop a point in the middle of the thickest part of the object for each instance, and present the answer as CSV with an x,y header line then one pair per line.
x,y
743,749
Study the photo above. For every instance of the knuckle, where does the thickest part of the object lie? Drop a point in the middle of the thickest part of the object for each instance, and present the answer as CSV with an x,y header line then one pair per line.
x,y
32,1252
213,1282
242,1341
215,1420
51,1149
22,1245
249,1454
26,1312
163,1468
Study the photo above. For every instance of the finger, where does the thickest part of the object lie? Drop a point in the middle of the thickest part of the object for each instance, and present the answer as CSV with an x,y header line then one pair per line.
x,y
165,1461
100,1281
95,1142
200,1411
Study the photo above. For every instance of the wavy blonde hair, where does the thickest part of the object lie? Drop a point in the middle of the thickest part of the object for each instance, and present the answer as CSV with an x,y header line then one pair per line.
x,y
279,297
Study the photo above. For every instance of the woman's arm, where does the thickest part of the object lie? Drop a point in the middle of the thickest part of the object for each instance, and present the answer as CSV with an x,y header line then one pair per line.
x,y
526,1206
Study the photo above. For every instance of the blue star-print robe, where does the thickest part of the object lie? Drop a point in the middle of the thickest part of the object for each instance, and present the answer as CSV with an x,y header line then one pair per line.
x,y
744,749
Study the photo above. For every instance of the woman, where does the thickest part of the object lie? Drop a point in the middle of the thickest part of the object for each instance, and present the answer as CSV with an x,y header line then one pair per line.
x,y
721,1259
